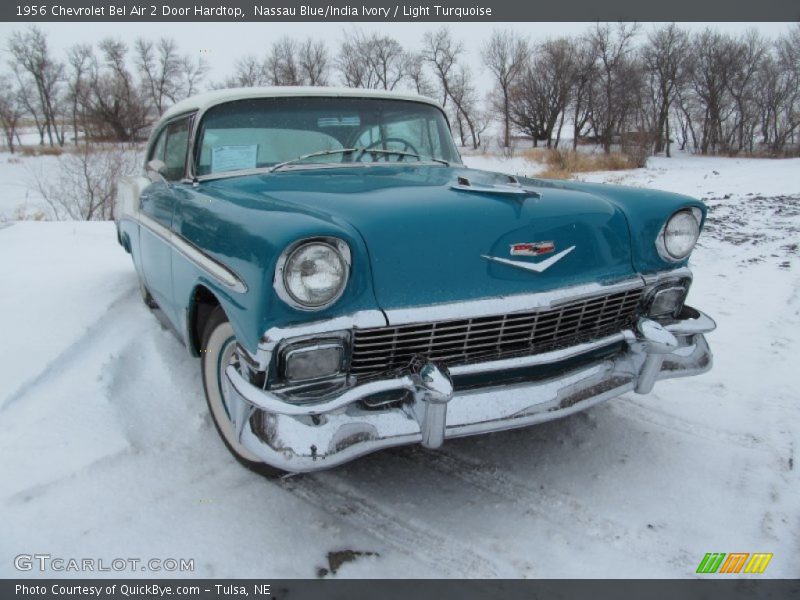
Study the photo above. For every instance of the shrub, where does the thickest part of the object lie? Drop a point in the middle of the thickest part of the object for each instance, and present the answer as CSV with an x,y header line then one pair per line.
x,y
84,185
562,164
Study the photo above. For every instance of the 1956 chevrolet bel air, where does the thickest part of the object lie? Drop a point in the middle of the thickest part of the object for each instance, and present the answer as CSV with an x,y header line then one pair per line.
x,y
350,285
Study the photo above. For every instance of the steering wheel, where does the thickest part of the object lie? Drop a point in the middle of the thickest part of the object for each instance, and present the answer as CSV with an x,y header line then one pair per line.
x,y
386,152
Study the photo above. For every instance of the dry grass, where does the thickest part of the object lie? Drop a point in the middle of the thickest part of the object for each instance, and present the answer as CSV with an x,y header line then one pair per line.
x,y
40,150
22,213
562,164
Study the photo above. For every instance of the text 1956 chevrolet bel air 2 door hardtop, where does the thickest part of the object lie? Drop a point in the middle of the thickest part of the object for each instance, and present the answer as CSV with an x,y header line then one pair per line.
x,y
349,285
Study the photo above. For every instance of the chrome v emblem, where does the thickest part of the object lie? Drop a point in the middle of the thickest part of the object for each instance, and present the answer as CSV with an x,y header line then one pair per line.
x,y
535,267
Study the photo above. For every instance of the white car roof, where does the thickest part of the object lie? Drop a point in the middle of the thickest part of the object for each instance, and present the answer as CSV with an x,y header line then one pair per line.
x,y
202,102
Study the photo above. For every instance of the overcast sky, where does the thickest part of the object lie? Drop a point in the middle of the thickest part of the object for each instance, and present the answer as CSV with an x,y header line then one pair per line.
x,y
222,43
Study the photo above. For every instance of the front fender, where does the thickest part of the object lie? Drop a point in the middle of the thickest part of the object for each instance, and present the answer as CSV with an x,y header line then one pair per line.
x,y
248,238
646,211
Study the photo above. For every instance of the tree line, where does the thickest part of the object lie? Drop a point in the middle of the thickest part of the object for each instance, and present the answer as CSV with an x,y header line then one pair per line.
x,y
112,91
613,85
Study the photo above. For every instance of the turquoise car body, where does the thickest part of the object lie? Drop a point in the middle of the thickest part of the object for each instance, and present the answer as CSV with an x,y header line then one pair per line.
x,y
415,240
420,235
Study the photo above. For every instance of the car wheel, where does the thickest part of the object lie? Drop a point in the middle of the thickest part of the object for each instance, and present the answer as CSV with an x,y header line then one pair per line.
x,y
216,353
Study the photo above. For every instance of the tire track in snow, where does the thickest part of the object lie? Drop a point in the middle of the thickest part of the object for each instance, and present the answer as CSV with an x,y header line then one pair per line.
x,y
555,506
85,341
636,411
560,509
450,556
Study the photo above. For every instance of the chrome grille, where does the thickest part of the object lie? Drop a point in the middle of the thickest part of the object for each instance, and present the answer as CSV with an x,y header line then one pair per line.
x,y
463,341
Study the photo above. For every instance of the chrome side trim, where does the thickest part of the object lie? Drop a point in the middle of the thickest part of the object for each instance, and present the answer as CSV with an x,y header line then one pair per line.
x,y
486,307
218,271
679,273
360,320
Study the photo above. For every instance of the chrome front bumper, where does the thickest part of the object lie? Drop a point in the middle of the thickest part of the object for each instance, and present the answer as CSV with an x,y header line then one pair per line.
x,y
319,435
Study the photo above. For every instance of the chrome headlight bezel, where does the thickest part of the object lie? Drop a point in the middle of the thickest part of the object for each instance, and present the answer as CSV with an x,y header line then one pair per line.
x,y
662,244
678,288
281,286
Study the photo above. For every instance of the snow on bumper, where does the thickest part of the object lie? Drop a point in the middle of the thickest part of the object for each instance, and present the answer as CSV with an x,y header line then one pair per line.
x,y
319,435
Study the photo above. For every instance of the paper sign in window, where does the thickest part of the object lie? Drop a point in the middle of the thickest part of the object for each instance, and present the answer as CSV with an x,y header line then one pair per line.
x,y
233,158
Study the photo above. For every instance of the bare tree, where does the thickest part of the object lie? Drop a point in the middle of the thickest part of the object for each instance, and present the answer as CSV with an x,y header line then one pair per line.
x,y
29,101
79,59
193,71
160,70
353,65
777,94
10,112
387,59
371,61
117,108
750,52
442,52
465,104
714,61
31,57
611,98
248,71
415,71
540,96
505,55
584,76
282,64
313,62
665,56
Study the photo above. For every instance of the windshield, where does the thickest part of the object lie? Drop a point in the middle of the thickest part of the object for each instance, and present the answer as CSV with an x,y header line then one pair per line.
x,y
267,132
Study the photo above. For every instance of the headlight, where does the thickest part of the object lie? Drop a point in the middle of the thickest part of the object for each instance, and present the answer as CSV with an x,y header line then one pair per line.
x,y
679,235
313,274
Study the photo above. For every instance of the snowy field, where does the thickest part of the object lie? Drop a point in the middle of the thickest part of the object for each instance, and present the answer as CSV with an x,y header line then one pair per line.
x,y
107,449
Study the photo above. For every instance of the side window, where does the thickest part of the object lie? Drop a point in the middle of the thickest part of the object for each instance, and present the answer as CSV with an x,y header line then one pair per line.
x,y
157,153
176,142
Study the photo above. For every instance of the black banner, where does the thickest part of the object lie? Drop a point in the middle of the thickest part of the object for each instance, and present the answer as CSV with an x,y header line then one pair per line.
x,y
390,589
387,10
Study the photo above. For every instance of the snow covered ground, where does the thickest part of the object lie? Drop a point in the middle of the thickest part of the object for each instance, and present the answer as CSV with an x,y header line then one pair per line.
x,y
107,449
18,195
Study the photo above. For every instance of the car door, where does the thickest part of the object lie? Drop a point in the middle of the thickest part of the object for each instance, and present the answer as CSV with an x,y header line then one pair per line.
x,y
157,206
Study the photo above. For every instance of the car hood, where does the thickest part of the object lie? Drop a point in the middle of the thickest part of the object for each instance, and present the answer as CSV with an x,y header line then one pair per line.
x,y
430,241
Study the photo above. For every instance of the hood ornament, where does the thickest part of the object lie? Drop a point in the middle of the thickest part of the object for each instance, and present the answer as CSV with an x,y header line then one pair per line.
x,y
510,187
532,249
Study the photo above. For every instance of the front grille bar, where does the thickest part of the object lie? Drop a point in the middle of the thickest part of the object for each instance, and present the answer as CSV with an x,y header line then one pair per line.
x,y
461,341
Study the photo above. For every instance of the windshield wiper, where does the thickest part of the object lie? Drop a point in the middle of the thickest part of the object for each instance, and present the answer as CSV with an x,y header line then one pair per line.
x,y
361,152
312,155
400,153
